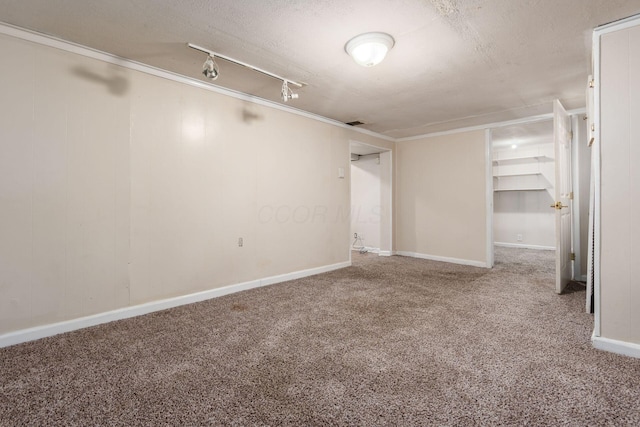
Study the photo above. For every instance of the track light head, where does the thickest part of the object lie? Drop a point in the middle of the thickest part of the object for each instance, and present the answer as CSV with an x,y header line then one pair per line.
x,y
210,68
286,93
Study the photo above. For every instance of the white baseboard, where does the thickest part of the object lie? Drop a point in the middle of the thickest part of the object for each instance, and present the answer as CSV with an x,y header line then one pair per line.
x,y
522,246
614,346
385,253
368,249
444,259
43,331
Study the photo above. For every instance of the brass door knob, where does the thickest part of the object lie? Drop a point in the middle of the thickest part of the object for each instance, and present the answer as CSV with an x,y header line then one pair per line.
x,y
558,206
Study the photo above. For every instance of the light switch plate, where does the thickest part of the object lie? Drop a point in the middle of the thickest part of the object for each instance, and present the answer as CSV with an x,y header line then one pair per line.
x,y
340,172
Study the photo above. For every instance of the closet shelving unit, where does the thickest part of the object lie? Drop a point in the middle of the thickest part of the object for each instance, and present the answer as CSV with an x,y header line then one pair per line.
x,y
520,177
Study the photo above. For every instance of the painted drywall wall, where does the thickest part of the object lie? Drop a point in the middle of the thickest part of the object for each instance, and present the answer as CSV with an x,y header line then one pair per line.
x,y
64,186
524,218
620,185
386,203
366,206
118,188
441,204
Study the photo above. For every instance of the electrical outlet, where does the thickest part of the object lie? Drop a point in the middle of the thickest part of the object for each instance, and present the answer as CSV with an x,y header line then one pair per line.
x,y
519,237
240,242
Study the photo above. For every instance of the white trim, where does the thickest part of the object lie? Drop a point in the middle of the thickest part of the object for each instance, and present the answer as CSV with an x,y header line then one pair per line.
x,y
443,259
575,203
366,248
368,144
391,205
595,169
618,25
488,159
43,331
391,189
522,246
45,40
524,120
349,189
614,346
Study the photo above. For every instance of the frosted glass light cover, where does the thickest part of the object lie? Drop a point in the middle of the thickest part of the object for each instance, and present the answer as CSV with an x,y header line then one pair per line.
x,y
369,49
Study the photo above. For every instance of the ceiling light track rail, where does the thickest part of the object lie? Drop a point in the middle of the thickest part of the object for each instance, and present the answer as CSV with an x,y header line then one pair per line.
x,y
211,71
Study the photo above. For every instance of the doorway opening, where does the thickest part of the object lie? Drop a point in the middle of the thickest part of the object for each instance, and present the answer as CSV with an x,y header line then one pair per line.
x,y
523,186
371,199
538,172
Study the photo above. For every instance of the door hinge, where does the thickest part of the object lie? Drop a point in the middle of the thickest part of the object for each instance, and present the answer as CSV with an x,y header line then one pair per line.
x,y
570,134
572,256
592,84
571,196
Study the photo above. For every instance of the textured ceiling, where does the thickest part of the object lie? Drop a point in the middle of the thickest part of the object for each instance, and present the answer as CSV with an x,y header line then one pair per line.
x,y
456,63
523,134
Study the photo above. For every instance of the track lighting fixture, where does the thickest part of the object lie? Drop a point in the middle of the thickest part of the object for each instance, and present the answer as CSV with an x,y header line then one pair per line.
x,y
211,71
210,68
287,94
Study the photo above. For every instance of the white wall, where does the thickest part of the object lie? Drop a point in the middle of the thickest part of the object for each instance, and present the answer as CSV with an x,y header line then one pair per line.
x,y
119,188
366,207
441,197
620,186
524,218
64,186
386,202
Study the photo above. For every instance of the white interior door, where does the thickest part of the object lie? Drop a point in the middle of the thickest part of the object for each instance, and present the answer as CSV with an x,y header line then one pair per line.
x,y
591,228
563,194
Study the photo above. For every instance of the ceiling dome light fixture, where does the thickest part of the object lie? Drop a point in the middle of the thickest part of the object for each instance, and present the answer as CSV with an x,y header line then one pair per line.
x,y
369,49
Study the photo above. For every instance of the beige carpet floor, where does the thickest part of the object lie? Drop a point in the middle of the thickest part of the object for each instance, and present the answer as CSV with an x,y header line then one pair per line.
x,y
388,341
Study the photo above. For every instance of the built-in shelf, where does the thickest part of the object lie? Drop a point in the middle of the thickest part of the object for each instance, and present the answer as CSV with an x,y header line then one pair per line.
x,y
520,173
517,174
523,158
521,189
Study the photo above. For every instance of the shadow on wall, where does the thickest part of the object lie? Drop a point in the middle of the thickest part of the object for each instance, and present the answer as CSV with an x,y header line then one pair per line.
x,y
115,82
249,113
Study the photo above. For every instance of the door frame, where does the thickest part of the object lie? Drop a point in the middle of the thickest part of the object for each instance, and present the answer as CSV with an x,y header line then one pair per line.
x,y
488,153
562,136
621,347
489,162
386,222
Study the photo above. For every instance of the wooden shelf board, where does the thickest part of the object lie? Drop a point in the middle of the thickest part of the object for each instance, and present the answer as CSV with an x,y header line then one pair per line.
x,y
517,174
515,159
521,189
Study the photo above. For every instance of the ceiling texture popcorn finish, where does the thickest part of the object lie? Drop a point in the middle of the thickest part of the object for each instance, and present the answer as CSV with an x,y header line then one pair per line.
x,y
455,63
